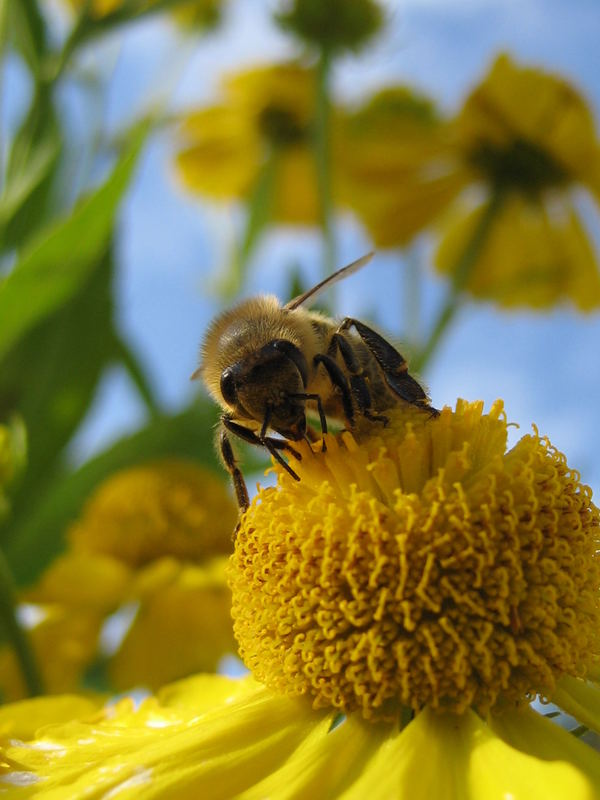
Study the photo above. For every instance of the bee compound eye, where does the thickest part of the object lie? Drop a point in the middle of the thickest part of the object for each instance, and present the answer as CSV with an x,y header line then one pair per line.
x,y
228,388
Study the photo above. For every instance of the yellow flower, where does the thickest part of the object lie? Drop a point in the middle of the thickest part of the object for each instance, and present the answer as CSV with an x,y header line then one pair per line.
x,y
398,167
534,255
151,542
167,508
523,141
183,624
530,139
422,580
202,13
264,121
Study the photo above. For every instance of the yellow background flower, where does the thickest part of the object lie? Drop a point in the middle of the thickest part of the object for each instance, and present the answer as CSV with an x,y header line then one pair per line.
x,y
524,140
397,165
529,137
192,12
150,542
265,120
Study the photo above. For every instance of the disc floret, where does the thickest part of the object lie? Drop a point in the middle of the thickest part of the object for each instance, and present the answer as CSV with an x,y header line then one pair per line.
x,y
421,564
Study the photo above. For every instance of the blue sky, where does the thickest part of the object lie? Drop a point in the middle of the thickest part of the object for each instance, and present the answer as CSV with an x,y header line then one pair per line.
x,y
544,366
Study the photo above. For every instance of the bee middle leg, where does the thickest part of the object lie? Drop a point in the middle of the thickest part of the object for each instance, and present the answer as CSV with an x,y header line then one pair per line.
x,y
339,380
322,417
358,381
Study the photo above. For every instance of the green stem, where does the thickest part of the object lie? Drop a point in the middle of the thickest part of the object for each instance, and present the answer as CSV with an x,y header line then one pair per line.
x,y
88,27
259,209
15,633
460,277
322,147
135,371
3,40
412,298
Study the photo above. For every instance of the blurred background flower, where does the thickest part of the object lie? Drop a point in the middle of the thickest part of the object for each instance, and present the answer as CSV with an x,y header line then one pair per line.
x,y
529,138
262,126
139,597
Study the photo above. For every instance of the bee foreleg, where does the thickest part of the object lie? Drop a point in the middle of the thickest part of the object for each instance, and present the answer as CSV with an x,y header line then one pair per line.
x,y
338,379
267,441
272,445
239,485
358,382
391,362
322,417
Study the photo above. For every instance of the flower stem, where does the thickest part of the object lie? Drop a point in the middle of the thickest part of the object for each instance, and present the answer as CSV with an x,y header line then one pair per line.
x,y
460,277
258,214
15,633
88,27
411,333
322,146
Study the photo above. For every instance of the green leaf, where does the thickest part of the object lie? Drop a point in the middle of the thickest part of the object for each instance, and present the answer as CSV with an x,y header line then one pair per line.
x,y
127,356
19,190
62,258
36,534
28,30
34,158
51,374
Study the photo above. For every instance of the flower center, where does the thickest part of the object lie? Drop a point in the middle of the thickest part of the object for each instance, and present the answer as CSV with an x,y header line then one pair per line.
x,y
518,165
420,564
281,126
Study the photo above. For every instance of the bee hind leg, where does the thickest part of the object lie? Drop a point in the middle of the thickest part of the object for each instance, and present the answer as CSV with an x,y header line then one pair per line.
x,y
358,382
392,364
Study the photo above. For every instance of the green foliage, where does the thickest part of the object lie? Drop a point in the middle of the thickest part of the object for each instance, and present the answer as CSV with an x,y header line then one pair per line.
x,y
57,262
29,36
51,374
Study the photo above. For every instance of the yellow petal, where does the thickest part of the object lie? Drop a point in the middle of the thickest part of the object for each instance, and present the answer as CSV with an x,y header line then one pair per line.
x,y
64,643
325,764
398,168
221,153
572,768
170,752
450,757
395,208
295,194
580,699
201,692
535,256
285,86
22,720
183,625
517,102
89,580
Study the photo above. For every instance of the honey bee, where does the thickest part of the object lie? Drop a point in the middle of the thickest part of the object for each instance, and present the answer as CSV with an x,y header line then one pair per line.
x,y
267,364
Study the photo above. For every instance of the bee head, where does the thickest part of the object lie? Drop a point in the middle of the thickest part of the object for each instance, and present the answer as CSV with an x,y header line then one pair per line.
x,y
269,386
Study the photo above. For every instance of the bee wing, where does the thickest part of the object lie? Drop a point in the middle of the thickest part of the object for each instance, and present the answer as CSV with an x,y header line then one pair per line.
x,y
312,294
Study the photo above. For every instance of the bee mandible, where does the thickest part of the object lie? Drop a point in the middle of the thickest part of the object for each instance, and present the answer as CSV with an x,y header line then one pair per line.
x,y
267,364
